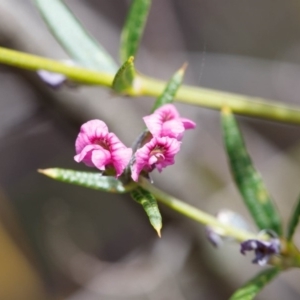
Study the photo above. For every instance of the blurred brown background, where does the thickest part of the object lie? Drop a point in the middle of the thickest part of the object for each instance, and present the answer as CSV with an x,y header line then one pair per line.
x,y
64,242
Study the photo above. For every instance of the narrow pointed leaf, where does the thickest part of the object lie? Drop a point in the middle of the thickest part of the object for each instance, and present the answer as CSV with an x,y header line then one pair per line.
x,y
171,88
89,179
77,42
134,27
294,220
254,286
247,179
124,79
149,203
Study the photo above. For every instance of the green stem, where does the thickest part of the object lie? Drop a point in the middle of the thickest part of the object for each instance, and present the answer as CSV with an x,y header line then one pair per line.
x,y
239,104
194,213
33,62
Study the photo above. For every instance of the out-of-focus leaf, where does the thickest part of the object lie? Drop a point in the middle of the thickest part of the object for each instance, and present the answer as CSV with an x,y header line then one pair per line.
x,y
172,86
133,28
124,79
248,180
88,179
81,47
254,286
294,220
149,203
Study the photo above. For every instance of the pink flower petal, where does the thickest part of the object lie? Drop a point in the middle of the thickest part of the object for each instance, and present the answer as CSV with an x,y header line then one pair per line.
x,y
90,132
121,155
96,147
172,128
85,155
168,111
154,123
121,159
187,123
165,121
159,153
101,158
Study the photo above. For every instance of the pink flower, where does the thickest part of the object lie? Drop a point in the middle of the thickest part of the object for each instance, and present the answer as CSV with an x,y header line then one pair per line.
x,y
158,153
166,121
97,147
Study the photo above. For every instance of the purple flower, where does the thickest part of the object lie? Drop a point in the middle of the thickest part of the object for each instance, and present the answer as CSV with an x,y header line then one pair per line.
x,y
214,238
166,121
263,249
97,147
216,235
54,80
158,153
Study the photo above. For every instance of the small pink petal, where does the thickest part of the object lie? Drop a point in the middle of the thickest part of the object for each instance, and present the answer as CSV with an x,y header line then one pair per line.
x,y
89,132
101,158
159,153
156,159
165,121
120,154
172,128
121,159
85,155
154,123
168,112
187,123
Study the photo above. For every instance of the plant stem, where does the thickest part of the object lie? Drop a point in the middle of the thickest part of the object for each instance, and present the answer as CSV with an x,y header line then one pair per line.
x,y
213,99
35,63
195,213
239,104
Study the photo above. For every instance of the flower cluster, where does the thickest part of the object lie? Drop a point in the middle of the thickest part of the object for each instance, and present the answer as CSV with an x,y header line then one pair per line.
x,y
97,147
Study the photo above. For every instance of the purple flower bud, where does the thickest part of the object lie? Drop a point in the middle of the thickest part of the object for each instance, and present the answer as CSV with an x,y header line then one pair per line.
x,y
214,238
263,249
216,235
54,80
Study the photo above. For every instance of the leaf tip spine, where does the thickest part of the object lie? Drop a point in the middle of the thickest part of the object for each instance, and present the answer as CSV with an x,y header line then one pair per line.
x,y
48,172
182,70
158,230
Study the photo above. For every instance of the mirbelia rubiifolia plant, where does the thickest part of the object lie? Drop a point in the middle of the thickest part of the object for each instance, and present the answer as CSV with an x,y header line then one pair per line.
x,y
120,169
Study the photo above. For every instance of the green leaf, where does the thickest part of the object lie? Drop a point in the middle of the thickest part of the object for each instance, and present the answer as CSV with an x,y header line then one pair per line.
x,y
254,286
294,220
89,179
134,28
171,88
149,203
124,79
81,47
248,180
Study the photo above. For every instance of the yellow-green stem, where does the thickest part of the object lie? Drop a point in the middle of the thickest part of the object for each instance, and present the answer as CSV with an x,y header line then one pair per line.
x,y
240,104
195,213
33,62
